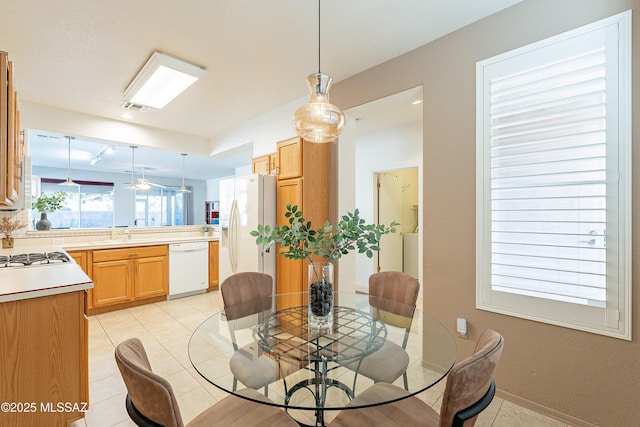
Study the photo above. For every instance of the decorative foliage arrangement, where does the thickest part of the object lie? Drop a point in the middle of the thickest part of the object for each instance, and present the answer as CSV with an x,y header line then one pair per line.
x,y
330,242
7,227
51,203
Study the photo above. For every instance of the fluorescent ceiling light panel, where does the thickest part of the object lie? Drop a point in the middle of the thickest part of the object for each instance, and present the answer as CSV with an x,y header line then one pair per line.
x,y
161,79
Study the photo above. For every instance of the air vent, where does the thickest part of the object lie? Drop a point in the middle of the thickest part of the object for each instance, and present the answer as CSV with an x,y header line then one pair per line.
x,y
134,107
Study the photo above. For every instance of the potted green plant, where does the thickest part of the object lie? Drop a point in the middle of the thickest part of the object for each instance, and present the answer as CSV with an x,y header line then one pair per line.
x,y
46,204
322,247
206,229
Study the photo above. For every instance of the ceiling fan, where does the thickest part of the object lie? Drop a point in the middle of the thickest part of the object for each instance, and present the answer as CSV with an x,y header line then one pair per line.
x,y
145,184
142,183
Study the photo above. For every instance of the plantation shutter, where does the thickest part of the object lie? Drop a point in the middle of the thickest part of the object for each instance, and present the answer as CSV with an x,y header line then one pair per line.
x,y
548,180
554,180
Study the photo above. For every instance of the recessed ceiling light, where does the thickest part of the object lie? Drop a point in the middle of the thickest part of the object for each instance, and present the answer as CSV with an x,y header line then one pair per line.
x,y
127,116
161,79
416,102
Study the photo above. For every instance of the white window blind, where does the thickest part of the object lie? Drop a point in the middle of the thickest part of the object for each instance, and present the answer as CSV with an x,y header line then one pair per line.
x,y
548,164
552,193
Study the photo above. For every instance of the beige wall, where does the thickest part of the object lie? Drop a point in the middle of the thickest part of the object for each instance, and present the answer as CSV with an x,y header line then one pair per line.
x,y
589,377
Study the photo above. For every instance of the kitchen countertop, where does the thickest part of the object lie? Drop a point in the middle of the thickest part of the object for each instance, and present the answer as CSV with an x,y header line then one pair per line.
x,y
97,242
41,280
136,241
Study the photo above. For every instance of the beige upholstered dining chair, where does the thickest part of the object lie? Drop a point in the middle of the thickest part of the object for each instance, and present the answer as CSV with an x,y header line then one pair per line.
x,y
150,400
245,295
392,297
468,391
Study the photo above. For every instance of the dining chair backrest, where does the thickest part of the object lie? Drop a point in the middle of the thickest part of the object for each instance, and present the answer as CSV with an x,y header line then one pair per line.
x,y
393,296
151,394
469,380
246,293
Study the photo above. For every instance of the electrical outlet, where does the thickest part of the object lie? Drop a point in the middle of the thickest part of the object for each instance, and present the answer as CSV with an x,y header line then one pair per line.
x,y
461,327
57,241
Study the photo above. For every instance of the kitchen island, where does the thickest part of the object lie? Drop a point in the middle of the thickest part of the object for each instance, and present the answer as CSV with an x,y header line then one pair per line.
x,y
44,344
44,326
128,267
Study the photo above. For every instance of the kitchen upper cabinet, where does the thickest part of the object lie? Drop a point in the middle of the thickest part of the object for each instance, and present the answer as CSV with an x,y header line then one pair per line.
x,y
10,135
290,158
214,265
267,164
303,180
129,276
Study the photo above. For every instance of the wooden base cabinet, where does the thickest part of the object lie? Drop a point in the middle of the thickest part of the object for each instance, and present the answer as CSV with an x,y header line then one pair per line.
x,y
44,361
214,265
129,274
85,260
151,277
113,282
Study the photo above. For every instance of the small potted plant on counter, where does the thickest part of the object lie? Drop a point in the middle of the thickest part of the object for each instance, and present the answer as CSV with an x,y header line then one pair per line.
x,y
7,227
322,247
206,230
46,204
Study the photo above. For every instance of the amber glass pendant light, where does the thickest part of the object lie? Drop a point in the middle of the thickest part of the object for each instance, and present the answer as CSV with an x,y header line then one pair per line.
x,y
319,120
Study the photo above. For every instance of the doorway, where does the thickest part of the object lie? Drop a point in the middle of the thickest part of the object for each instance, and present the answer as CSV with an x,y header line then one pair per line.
x,y
397,199
382,136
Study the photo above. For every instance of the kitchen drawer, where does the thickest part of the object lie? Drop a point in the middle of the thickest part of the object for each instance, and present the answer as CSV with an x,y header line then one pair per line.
x,y
129,253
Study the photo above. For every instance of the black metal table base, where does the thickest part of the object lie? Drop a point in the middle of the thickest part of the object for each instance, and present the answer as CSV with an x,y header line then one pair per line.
x,y
320,384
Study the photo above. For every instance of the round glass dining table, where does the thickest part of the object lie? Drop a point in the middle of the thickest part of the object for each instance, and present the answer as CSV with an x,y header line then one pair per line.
x,y
266,343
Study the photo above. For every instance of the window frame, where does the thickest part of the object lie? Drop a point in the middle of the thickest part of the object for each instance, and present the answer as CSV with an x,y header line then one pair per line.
x,y
615,319
50,183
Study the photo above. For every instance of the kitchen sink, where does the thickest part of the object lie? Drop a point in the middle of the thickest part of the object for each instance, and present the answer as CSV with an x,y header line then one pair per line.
x,y
106,242
134,241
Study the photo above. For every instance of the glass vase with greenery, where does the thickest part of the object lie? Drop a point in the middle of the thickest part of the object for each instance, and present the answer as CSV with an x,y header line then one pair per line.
x,y
299,240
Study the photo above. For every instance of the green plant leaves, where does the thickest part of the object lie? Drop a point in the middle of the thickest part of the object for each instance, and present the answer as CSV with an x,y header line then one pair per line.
x,y
299,240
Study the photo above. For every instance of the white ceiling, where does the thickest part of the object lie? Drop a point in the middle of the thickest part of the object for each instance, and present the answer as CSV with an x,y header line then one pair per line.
x,y
80,55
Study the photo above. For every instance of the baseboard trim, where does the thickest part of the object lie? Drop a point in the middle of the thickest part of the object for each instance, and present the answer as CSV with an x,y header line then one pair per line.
x,y
541,409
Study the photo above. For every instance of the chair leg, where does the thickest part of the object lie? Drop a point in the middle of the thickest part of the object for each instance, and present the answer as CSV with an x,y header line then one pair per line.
x,y
406,381
235,383
353,389
266,391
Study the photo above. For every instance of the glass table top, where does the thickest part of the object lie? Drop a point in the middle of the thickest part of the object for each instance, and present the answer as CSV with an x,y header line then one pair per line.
x,y
310,370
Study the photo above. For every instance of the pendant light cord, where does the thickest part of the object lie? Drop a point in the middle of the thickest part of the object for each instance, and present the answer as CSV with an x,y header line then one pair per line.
x,y
183,156
318,36
69,159
133,163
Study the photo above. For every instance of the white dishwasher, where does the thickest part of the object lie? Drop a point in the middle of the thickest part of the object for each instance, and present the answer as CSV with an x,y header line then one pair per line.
x,y
188,269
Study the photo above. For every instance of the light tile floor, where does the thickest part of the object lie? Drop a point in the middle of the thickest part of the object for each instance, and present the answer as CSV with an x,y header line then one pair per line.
x,y
165,328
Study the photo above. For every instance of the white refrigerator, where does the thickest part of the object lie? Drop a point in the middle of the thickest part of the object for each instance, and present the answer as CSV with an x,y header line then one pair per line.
x,y
245,202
